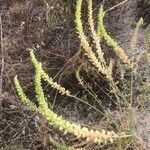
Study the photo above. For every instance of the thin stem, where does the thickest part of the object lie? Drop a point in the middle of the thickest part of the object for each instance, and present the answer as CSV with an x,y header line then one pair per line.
x,y
81,100
2,56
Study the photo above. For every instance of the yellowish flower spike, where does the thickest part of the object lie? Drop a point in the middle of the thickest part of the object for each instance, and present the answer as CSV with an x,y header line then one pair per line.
x,y
110,41
45,76
88,50
95,36
135,34
99,62
24,99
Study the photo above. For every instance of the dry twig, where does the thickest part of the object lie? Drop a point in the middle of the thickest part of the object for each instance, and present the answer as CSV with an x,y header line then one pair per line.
x,y
2,58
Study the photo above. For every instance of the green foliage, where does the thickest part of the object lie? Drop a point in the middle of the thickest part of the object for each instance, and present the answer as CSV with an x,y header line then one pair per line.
x,y
25,100
60,146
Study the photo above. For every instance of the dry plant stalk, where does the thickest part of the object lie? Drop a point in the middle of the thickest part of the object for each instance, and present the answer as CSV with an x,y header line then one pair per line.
x,y
2,60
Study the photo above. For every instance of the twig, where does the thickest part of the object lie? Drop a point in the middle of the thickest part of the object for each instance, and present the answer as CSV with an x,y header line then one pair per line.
x,y
117,5
2,58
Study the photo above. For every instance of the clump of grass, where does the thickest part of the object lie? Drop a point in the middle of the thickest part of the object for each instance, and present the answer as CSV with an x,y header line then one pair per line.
x,y
96,136
124,128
